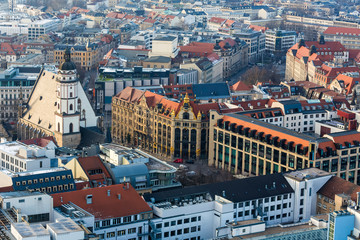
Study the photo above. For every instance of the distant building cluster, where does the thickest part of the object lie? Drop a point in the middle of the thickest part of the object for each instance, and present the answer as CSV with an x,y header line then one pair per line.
x,y
194,120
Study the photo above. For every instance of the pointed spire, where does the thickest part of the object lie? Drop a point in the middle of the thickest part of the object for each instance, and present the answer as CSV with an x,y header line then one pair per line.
x,y
67,55
199,115
186,98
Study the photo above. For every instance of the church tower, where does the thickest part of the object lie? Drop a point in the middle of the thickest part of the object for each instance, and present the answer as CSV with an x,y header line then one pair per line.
x,y
67,116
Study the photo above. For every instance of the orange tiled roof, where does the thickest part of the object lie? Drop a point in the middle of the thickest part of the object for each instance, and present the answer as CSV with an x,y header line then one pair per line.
x,y
104,206
258,28
272,132
227,40
229,22
240,86
348,82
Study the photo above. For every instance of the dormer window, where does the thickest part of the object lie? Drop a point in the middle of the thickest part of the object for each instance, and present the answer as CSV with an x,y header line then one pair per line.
x,y
89,199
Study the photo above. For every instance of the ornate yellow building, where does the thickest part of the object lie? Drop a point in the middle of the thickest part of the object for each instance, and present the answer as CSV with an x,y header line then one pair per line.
x,y
160,125
86,56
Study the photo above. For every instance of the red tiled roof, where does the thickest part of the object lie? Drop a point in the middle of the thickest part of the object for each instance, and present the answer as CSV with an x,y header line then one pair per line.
x,y
130,94
336,185
198,47
228,40
349,137
217,20
342,31
7,189
129,16
104,206
42,142
204,108
327,47
94,163
258,28
81,185
354,54
116,15
149,20
152,98
240,86
213,57
329,71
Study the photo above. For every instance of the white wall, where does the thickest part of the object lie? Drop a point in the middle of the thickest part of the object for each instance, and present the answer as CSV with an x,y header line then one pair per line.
x,y
311,187
32,204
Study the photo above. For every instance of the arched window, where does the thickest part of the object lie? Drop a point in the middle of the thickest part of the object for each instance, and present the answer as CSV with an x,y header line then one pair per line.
x,y
185,115
71,107
58,127
71,128
71,94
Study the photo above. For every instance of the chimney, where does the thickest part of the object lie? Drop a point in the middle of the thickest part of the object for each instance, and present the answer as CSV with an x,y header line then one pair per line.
x,y
61,199
119,196
223,193
108,193
352,124
274,185
127,185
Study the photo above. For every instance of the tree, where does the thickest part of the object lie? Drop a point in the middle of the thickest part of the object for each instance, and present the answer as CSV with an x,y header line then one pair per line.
x,y
263,74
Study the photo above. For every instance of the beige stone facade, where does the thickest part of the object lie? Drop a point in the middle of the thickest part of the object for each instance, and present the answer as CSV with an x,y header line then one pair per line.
x,y
159,125
57,107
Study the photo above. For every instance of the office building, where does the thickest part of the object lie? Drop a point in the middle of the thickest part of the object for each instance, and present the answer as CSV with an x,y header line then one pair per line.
x,y
349,37
245,145
341,225
256,42
160,125
111,81
278,41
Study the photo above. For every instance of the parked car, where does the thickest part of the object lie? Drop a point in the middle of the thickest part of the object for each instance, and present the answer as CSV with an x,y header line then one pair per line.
x,y
191,161
178,160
